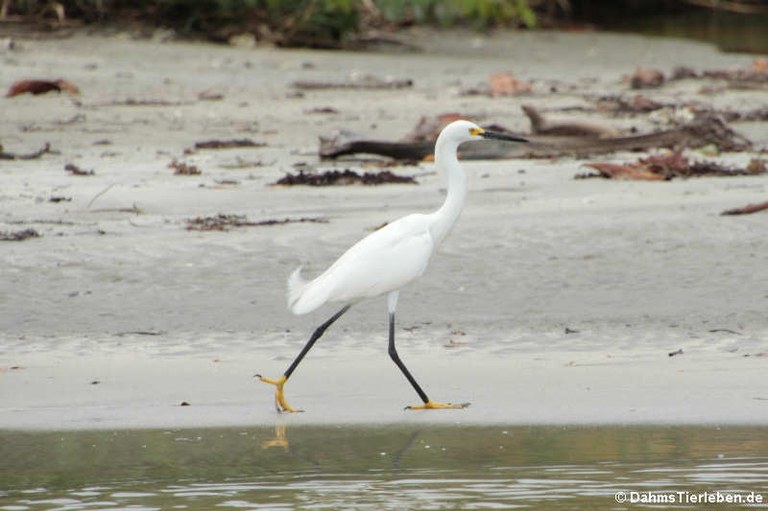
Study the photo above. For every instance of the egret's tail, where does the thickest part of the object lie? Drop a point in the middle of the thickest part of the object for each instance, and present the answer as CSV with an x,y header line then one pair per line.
x,y
305,296
296,284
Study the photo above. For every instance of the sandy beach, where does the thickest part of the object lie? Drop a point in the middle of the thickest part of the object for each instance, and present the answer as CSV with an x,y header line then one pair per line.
x,y
554,301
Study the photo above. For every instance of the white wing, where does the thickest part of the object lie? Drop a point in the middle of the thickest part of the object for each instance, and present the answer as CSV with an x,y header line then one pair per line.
x,y
383,261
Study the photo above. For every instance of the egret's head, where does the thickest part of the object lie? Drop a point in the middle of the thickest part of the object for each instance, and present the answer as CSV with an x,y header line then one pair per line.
x,y
463,131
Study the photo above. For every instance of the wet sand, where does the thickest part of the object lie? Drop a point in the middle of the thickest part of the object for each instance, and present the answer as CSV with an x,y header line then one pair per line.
x,y
553,301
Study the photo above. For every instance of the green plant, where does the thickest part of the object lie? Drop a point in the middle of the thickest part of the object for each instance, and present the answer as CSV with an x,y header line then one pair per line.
x,y
482,13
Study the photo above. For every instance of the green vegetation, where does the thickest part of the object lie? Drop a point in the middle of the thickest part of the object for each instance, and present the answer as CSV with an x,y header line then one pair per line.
x,y
325,23
477,13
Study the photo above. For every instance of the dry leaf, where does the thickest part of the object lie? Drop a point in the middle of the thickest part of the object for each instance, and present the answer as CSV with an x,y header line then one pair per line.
x,y
646,78
504,84
631,171
37,87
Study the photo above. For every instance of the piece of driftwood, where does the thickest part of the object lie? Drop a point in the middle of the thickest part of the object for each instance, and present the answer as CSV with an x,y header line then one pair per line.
x,y
75,170
621,104
544,125
756,73
29,156
344,142
710,130
747,210
640,104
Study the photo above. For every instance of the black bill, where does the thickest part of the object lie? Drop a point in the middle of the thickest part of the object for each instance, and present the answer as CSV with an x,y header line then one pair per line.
x,y
502,136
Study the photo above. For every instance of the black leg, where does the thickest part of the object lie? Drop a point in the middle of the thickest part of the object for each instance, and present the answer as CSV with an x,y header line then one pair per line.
x,y
396,359
312,340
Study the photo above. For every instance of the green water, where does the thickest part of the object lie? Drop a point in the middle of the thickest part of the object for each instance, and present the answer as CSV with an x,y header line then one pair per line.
x,y
381,467
731,32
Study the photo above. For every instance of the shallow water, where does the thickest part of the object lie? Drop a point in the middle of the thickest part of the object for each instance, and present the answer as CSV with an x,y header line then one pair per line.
x,y
731,32
380,467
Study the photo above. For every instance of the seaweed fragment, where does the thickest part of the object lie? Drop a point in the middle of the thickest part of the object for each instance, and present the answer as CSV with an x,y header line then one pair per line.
x,y
225,222
184,169
342,178
228,144
21,235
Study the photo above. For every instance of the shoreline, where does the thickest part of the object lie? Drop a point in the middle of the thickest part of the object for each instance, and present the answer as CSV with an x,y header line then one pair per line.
x,y
562,296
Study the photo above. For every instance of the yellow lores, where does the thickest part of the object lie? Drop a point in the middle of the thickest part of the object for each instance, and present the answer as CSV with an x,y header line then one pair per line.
x,y
386,260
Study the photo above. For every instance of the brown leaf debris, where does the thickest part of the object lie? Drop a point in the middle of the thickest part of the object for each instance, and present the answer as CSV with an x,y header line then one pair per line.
x,y
504,84
646,78
667,166
37,87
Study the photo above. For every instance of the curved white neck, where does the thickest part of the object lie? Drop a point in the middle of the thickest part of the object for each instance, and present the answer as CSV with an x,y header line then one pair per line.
x,y
444,218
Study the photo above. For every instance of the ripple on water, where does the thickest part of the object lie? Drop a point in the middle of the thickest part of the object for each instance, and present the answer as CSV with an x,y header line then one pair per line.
x,y
338,468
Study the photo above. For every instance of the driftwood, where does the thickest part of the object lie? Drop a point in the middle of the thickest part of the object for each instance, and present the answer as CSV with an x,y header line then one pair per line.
x,y
542,125
747,210
711,130
29,156
74,170
707,131
343,142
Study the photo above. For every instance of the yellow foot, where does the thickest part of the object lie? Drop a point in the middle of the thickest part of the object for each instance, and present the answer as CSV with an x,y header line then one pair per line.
x,y
431,405
281,405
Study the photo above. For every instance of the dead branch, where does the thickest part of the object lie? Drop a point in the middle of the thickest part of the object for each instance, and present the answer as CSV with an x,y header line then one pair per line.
x,y
30,156
542,125
710,130
747,210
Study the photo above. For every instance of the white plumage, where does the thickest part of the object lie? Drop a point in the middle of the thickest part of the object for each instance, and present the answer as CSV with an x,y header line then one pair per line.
x,y
383,261
386,260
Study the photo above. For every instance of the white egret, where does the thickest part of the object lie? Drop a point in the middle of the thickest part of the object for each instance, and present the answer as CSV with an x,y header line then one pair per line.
x,y
386,260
